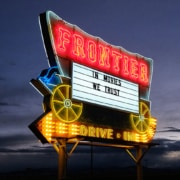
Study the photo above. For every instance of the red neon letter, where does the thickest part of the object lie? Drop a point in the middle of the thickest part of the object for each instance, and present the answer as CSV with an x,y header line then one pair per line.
x,y
64,36
92,52
78,46
104,56
143,72
134,68
116,57
125,69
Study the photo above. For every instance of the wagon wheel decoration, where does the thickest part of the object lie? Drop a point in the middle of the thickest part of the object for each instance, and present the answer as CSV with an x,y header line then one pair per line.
x,y
141,122
62,106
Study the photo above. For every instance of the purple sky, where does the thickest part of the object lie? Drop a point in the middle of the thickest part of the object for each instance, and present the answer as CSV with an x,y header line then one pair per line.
x,y
150,28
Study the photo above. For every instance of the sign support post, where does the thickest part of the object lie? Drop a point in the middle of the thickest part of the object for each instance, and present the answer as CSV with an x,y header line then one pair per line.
x,y
139,156
138,164
62,159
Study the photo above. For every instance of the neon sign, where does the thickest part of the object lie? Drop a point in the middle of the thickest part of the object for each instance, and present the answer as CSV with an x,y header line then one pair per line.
x,y
51,128
93,52
73,44
91,89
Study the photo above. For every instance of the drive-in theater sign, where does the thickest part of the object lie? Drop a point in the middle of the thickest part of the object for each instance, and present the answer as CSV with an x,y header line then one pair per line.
x,y
92,90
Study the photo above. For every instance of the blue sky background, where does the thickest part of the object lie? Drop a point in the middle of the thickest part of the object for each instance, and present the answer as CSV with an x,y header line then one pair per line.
x,y
150,28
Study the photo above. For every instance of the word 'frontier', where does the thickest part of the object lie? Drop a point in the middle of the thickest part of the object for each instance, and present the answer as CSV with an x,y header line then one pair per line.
x,y
108,79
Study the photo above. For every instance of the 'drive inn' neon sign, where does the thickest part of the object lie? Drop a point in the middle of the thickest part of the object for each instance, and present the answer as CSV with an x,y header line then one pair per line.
x,y
71,43
51,127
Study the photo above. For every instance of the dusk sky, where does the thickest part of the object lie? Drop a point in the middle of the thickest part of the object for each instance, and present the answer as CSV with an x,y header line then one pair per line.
x,y
147,27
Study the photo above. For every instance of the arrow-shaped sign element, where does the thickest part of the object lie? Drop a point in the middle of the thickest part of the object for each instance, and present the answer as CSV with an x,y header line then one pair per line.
x,y
47,128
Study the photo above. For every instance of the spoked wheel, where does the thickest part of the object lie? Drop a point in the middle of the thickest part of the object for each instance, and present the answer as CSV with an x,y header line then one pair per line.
x,y
141,122
62,106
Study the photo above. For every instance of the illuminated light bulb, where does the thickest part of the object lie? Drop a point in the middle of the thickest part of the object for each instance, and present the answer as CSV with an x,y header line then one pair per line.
x,y
73,129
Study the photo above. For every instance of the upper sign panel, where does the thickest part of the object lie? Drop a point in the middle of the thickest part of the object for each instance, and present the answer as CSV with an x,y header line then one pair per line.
x,y
65,41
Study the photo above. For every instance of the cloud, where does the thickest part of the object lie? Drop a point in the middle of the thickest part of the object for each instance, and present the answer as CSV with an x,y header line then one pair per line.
x,y
4,104
28,147
170,129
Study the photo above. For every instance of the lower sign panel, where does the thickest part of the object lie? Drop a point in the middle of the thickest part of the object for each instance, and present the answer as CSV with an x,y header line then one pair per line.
x,y
92,86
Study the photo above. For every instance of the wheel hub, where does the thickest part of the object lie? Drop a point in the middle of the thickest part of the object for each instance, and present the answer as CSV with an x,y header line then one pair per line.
x,y
141,117
67,103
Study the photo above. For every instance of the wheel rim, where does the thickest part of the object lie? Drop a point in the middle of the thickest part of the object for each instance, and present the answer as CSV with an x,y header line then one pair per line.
x,y
62,106
141,122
